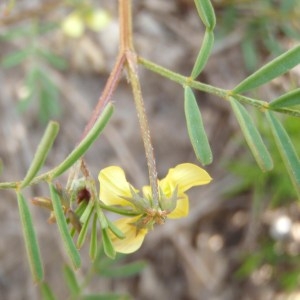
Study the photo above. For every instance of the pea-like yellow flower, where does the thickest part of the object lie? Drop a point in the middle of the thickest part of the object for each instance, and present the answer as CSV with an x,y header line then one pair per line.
x,y
172,203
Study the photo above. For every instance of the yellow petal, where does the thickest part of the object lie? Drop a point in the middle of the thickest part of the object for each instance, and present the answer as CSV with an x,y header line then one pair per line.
x,y
147,192
184,176
133,238
114,186
182,208
73,25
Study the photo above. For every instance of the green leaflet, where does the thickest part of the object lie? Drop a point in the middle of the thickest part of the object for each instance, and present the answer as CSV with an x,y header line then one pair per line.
x,y
204,53
46,292
271,70
252,136
206,13
286,149
107,244
31,244
84,229
41,152
129,269
115,230
195,128
16,58
71,281
101,217
63,228
105,296
86,142
289,99
94,239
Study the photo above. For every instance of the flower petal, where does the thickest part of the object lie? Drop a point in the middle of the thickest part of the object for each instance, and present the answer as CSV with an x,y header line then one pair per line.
x,y
114,186
133,238
184,176
73,25
182,208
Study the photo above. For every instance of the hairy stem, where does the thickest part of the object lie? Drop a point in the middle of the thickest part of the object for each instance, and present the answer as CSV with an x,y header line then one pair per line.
x,y
140,107
224,94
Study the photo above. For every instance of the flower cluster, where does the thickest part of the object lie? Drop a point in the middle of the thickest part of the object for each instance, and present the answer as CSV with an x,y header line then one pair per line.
x,y
173,202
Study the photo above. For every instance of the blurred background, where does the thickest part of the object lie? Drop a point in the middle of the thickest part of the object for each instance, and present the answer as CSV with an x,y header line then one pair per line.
x,y
242,237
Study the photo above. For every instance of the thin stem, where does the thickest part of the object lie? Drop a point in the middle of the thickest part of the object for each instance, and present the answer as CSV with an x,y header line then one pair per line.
x,y
126,46
109,88
125,19
140,107
224,94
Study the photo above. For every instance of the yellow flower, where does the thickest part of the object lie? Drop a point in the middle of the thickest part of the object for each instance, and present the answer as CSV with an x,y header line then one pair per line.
x,y
173,201
75,23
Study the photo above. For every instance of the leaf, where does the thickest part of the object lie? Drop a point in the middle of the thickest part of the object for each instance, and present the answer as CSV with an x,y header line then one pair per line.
x,y
83,232
80,209
94,239
206,13
48,98
46,292
107,244
53,59
31,244
86,142
115,230
84,216
271,70
195,128
15,58
289,99
63,228
249,53
71,281
42,151
286,149
101,216
106,296
252,136
204,53
126,270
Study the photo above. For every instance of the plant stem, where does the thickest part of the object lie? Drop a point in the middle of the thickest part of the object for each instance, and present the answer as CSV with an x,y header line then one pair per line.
x,y
224,94
125,19
109,88
145,131
126,45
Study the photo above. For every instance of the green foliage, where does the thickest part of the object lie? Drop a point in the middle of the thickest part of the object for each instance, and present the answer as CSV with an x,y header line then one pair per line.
x,y
284,268
287,150
46,292
111,268
289,99
204,53
277,182
252,136
74,217
41,152
264,23
271,70
39,89
103,267
195,128
31,243
84,145
63,228
71,281
206,13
